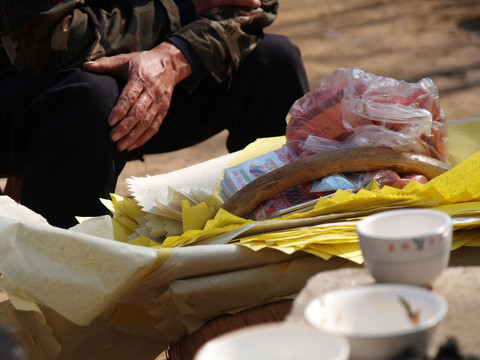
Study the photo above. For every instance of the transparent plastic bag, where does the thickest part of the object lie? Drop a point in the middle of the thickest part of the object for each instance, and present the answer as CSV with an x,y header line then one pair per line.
x,y
352,108
392,179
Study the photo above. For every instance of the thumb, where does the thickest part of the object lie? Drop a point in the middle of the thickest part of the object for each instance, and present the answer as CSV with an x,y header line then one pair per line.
x,y
110,65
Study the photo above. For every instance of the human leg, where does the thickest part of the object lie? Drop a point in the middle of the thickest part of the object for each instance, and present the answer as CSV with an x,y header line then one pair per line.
x,y
59,142
261,94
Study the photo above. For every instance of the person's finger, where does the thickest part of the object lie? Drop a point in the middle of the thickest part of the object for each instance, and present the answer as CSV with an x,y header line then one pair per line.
x,y
136,122
112,65
148,134
246,3
131,137
125,101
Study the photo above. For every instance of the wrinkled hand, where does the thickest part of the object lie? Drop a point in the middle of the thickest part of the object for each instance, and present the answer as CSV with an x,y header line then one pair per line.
x,y
203,5
144,102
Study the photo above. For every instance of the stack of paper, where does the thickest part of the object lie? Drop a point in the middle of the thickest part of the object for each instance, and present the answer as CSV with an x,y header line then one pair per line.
x,y
299,198
169,204
79,296
328,229
162,200
236,177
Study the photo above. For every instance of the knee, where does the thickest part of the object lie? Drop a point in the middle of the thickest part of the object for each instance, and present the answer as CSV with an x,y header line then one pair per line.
x,y
278,50
72,111
86,101
95,92
281,62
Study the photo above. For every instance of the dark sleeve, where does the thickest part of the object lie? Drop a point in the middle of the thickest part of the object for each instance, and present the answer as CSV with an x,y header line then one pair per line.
x,y
224,37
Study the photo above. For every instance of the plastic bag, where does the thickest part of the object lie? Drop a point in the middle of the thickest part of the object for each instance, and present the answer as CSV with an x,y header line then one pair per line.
x,y
392,179
352,108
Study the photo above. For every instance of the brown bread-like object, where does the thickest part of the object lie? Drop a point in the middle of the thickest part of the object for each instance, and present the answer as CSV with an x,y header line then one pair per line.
x,y
320,165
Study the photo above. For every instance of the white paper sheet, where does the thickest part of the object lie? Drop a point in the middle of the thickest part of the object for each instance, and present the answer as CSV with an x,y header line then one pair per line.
x,y
204,176
76,274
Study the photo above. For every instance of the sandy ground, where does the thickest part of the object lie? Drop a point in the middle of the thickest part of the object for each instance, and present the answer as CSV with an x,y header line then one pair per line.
x,y
402,39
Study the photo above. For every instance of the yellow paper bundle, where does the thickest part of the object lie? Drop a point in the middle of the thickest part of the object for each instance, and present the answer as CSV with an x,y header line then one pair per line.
x,y
329,229
456,192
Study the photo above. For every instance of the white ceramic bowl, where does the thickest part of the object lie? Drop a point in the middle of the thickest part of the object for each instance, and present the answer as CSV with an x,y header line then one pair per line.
x,y
409,246
379,320
275,342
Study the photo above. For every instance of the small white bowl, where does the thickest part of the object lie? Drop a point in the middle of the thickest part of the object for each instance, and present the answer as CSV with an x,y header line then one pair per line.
x,y
379,320
409,246
275,342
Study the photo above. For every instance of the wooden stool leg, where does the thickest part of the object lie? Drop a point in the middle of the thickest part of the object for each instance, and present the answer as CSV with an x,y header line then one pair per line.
x,y
13,187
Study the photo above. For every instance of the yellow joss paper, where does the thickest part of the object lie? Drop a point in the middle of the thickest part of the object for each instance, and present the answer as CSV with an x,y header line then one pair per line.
x,y
143,241
222,223
349,251
214,200
470,209
127,206
120,232
195,217
459,184
362,202
326,240
224,219
474,241
125,211
464,237
319,253
128,223
456,192
463,139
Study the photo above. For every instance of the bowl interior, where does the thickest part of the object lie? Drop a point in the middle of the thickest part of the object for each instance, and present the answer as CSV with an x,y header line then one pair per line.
x,y
377,311
274,341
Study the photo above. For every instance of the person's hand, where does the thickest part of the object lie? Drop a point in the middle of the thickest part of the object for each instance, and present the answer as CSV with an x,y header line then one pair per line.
x,y
203,5
144,102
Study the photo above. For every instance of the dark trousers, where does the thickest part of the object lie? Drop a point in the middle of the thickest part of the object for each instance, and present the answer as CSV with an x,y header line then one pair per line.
x,y
53,129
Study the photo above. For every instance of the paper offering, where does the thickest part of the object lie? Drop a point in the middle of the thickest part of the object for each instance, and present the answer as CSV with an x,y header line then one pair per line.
x,y
238,176
154,189
59,267
76,295
296,199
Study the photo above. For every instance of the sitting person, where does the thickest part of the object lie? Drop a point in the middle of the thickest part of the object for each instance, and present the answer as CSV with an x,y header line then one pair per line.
x,y
87,85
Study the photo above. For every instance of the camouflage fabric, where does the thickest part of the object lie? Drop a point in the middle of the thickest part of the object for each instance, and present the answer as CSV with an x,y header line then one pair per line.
x,y
41,36
225,36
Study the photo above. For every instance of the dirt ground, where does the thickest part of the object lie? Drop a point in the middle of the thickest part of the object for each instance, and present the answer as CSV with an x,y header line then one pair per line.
x,y
403,39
